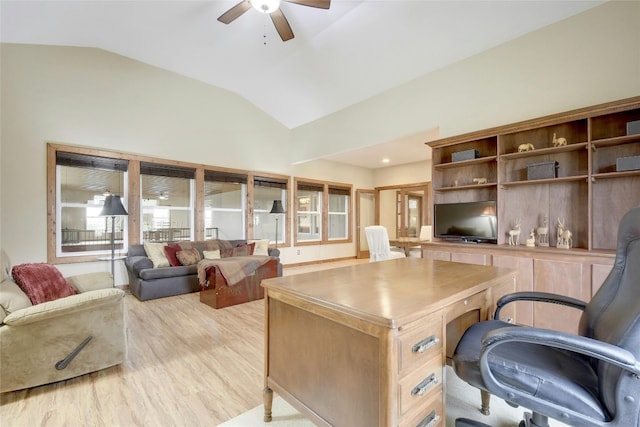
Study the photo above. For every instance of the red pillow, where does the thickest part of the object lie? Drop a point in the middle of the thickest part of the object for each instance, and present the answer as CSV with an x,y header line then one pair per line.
x,y
171,252
41,282
251,246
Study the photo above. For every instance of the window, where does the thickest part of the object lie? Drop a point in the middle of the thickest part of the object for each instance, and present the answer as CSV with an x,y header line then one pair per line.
x,y
167,200
265,191
309,212
323,212
82,183
225,196
339,204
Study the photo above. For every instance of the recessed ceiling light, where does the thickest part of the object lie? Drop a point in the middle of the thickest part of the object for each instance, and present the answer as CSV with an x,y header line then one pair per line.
x,y
385,160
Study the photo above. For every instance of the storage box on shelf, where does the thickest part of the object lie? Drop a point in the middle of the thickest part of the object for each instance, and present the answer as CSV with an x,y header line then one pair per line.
x,y
589,194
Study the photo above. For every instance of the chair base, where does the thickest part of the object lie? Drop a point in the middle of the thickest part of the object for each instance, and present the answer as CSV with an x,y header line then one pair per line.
x,y
534,420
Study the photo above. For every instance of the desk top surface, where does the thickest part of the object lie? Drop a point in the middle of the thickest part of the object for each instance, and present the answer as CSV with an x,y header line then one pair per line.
x,y
393,292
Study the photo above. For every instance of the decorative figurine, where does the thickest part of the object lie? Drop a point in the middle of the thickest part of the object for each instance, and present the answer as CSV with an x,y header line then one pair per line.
x,y
565,240
531,241
526,147
558,142
543,233
480,180
514,235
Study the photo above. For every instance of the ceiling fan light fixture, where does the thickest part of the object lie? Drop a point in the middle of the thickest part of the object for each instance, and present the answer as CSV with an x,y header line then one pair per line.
x,y
265,6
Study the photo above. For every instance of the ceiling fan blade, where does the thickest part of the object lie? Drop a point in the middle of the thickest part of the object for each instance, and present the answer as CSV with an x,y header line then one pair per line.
x,y
235,12
320,4
282,25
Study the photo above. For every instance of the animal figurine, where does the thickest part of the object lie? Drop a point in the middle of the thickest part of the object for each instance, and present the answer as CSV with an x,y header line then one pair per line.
x,y
565,238
531,241
543,234
525,147
558,142
480,180
514,235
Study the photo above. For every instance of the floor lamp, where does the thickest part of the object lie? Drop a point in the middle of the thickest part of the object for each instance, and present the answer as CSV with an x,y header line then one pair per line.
x,y
277,209
113,208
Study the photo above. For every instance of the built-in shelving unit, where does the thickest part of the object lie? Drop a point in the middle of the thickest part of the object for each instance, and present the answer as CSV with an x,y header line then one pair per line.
x,y
588,192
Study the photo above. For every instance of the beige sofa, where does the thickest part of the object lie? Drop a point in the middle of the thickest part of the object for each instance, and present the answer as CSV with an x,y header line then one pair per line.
x,y
60,339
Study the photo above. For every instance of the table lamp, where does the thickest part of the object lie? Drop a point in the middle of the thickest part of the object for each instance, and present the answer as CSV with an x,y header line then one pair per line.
x,y
277,209
113,207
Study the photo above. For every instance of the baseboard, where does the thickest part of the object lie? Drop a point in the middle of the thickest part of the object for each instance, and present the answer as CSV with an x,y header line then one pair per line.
x,y
320,261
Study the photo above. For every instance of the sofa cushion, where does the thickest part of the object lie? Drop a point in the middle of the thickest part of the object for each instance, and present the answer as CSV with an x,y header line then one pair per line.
x,y
261,247
12,298
155,251
170,252
188,256
162,273
41,282
91,281
211,254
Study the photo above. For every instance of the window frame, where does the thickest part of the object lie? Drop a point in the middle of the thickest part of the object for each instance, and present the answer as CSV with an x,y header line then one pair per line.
x,y
133,202
326,186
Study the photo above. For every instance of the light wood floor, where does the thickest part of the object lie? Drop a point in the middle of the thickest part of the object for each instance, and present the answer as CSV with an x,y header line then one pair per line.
x,y
188,365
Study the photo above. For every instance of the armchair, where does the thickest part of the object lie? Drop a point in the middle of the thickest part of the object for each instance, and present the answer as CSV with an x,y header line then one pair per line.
x,y
591,379
60,339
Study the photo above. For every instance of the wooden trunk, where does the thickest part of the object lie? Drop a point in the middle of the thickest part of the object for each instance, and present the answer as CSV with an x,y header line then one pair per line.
x,y
219,295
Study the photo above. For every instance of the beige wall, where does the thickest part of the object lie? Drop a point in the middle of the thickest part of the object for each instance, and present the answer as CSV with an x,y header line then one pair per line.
x,y
587,59
94,98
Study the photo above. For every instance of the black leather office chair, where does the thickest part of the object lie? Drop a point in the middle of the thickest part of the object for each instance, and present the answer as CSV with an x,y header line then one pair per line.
x,y
591,379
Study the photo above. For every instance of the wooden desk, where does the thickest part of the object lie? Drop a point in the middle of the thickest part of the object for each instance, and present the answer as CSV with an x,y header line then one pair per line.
x,y
366,345
406,243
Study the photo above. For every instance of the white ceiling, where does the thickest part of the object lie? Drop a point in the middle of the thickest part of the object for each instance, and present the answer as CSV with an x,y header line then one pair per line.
x,y
339,57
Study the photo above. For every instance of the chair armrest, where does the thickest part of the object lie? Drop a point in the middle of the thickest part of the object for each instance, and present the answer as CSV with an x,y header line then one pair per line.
x,y
52,309
600,350
538,297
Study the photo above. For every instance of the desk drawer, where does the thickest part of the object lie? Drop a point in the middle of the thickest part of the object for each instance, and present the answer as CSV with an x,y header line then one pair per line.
x,y
475,302
432,415
421,386
419,344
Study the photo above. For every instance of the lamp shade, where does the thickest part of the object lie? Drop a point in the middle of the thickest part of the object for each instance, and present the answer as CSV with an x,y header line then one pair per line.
x,y
277,207
113,207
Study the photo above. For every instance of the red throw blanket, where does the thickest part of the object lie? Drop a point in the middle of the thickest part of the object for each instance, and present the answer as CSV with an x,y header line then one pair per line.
x,y
233,269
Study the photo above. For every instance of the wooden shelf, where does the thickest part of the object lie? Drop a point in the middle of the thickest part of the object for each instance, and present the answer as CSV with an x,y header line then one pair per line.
x,y
465,163
545,151
546,181
466,187
613,175
619,140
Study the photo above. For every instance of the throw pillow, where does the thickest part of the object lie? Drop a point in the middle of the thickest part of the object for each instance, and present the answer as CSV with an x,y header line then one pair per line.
x,y
243,250
41,282
189,256
261,247
211,254
155,252
170,251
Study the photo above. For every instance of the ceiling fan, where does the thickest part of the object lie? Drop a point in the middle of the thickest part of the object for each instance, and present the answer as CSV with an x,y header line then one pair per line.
x,y
272,7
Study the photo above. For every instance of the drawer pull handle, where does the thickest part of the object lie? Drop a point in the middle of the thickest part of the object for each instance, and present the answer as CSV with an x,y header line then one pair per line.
x,y
425,344
431,420
425,385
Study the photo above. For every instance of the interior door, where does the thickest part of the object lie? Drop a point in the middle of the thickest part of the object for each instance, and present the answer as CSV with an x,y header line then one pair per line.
x,y
365,216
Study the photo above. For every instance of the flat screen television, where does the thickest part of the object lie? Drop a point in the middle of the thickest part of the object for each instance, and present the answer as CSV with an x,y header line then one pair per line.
x,y
472,222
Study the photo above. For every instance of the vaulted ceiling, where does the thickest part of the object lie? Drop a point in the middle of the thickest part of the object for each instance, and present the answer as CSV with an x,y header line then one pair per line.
x,y
339,57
